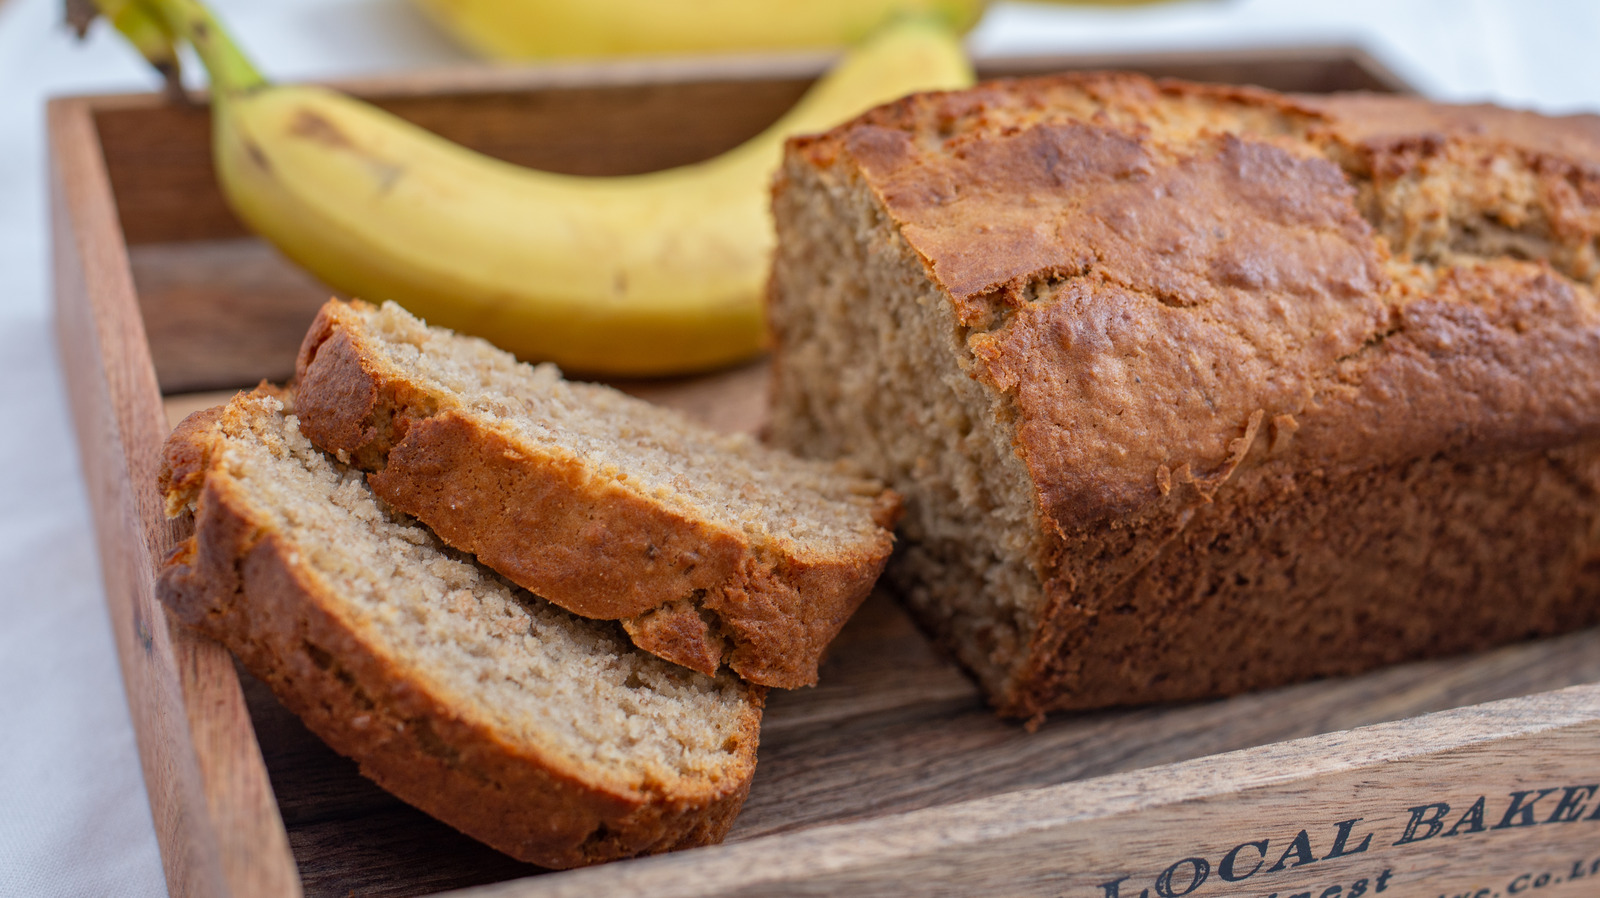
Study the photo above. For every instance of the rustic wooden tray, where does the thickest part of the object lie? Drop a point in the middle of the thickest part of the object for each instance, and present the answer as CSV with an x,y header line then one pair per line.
x,y
891,777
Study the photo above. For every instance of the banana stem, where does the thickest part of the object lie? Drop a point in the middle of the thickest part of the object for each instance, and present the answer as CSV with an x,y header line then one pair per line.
x,y
146,32
231,72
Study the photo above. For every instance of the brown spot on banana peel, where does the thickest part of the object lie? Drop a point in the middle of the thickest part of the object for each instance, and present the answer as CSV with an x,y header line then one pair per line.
x,y
311,125
258,156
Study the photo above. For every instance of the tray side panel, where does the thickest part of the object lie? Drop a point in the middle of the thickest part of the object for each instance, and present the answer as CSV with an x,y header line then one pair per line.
x,y
1308,69
215,817
1495,799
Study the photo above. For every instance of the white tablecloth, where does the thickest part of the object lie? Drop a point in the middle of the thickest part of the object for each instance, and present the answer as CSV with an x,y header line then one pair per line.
x,y
73,814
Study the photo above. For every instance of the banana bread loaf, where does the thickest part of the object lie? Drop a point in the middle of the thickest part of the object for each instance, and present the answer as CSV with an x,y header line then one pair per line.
x,y
538,732
1194,389
710,548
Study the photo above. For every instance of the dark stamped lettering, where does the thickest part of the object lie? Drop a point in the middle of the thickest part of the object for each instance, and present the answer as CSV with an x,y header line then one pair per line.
x,y
1196,877
1520,813
1343,837
1226,869
1472,819
1300,849
1429,815
1113,888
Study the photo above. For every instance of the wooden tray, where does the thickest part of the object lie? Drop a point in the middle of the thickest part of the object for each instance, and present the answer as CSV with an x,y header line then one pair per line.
x,y
891,777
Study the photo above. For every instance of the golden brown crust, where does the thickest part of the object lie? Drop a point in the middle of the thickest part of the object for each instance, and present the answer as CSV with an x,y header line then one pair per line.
x,y
1199,306
679,632
1104,257
239,581
550,523
1382,118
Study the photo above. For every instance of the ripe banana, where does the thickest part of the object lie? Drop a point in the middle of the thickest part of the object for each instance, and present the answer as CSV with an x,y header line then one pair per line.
x,y
547,29
638,275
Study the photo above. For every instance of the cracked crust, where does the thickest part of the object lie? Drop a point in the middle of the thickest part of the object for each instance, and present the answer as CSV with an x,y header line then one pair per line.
x,y
243,580
696,589
1180,309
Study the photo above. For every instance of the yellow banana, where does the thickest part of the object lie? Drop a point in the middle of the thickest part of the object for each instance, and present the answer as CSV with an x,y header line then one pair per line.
x,y
649,274
548,29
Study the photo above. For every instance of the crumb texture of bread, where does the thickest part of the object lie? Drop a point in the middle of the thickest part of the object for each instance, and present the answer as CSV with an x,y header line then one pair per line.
x,y
541,733
1195,389
712,548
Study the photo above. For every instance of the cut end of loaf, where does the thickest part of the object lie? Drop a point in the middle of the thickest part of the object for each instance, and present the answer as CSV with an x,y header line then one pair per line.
x,y
869,369
541,733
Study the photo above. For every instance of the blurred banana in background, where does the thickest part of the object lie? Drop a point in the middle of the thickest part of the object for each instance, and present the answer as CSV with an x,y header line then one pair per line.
x,y
552,29
652,274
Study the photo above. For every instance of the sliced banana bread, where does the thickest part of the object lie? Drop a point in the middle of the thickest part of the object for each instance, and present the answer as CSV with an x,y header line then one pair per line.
x,y
709,547
536,731
1194,389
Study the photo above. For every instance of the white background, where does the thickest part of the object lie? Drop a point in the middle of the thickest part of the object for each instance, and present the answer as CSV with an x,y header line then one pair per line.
x,y
73,816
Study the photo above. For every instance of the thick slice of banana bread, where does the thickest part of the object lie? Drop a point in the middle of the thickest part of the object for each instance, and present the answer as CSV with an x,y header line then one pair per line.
x,y
541,733
709,547
1196,389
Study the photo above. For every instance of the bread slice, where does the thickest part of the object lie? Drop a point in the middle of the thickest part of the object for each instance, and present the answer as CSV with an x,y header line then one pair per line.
x,y
1194,389
709,547
538,732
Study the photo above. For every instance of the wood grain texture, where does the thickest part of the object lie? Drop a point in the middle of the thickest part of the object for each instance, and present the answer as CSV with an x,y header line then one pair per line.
x,y
201,343
891,776
213,806
1168,830
1307,69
